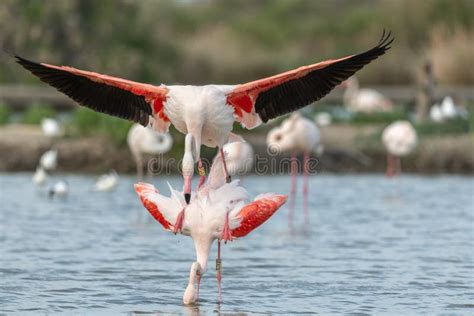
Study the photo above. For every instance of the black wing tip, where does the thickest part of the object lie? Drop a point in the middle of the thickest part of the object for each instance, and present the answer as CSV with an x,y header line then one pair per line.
x,y
385,40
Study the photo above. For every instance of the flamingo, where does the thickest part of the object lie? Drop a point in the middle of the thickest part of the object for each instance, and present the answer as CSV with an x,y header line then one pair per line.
x,y
107,182
238,157
144,141
205,114
49,160
217,210
435,113
450,110
296,135
400,139
364,100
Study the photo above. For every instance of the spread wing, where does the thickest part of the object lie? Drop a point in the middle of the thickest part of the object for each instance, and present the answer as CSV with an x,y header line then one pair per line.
x,y
286,92
126,99
256,213
165,210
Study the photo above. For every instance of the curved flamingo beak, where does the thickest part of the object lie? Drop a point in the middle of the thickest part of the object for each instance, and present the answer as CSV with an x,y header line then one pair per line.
x,y
187,189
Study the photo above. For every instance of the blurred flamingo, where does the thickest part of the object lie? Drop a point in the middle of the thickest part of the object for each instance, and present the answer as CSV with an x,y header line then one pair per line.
x,y
239,157
400,139
107,182
364,100
296,135
49,160
50,127
217,210
144,141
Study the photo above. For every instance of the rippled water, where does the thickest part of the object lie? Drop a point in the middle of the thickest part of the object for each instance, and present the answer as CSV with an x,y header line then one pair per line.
x,y
373,246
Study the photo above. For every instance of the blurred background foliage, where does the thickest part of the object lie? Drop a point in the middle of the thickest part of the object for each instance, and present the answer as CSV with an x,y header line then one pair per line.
x,y
196,42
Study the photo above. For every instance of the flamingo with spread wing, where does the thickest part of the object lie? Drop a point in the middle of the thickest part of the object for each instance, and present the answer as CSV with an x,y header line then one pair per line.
x,y
217,210
205,114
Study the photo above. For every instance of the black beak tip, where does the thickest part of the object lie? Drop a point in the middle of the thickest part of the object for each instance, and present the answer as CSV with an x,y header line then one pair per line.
x,y
187,197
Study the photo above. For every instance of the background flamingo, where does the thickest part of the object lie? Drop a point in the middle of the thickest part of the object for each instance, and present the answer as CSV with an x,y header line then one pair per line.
x,y
364,100
204,113
218,210
239,157
400,139
107,182
144,141
296,135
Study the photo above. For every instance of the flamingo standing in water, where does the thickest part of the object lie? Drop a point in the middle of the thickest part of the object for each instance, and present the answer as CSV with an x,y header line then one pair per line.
x,y
206,114
217,210
144,141
400,139
296,135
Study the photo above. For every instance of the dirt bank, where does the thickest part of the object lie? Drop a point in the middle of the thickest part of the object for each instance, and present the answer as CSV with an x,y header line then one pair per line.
x,y
347,148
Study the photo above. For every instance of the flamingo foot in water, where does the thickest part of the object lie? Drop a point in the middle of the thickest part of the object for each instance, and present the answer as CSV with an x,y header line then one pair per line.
x,y
226,234
178,226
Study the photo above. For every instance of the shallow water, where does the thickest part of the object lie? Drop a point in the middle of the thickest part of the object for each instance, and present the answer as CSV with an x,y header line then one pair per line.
x,y
373,246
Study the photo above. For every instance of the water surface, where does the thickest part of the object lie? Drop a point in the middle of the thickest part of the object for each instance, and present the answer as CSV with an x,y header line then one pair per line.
x,y
373,246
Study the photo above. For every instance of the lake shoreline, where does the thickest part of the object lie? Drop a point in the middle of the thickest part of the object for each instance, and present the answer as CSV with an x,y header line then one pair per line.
x,y
347,149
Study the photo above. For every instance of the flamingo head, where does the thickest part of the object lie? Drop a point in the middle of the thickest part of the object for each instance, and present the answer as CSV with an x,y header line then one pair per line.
x,y
191,294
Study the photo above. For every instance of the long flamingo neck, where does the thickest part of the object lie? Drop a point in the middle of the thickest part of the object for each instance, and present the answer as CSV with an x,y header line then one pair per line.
x,y
203,247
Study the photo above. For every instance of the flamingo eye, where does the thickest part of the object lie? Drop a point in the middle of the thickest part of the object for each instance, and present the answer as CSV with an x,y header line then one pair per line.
x,y
278,137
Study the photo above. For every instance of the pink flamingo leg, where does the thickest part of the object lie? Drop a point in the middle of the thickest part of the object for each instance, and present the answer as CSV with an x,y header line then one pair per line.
x,y
178,226
202,173
398,166
294,170
305,187
390,171
226,234
218,269
226,172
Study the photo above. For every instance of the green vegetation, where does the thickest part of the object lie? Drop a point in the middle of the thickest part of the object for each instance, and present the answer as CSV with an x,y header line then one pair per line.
x,y
379,117
454,126
86,122
4,114
36,112
237,41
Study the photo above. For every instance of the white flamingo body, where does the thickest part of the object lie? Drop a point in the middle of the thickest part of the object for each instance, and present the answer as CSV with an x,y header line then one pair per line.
x,y
364,100
436,115
217,210
295,134
107,182
239,157
49,160
400,139
144,141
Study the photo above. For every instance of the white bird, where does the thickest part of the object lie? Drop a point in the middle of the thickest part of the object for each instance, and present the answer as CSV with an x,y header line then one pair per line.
x,y
50,127
205,114
364,100
450,110
49,160
239,157
40,176
58,189
145,141
296,135
400,139
107,182
323,119
217,210
436,115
